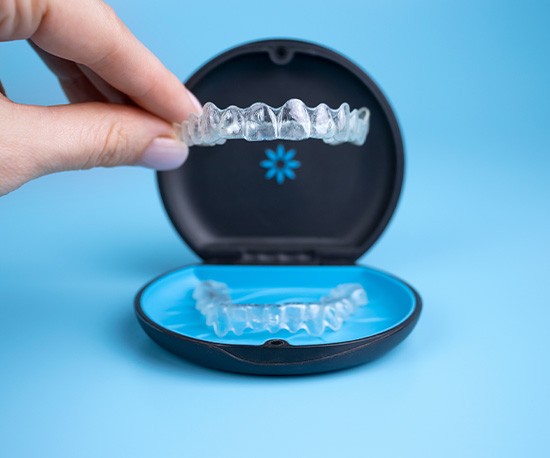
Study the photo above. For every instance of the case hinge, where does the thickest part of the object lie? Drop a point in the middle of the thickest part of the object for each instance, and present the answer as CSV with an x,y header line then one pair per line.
x,y
276,258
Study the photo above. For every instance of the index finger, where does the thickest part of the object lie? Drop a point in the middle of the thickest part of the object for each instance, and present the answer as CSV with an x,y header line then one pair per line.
x,y
89,32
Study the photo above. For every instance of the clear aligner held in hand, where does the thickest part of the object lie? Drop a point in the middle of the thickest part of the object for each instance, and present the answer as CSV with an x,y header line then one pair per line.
x,y
214,302
293,121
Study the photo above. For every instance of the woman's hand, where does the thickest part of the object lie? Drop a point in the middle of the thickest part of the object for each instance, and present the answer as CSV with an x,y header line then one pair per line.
x,y
124,99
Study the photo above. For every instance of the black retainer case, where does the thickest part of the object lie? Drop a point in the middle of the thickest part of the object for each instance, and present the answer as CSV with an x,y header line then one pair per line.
x,y
299,234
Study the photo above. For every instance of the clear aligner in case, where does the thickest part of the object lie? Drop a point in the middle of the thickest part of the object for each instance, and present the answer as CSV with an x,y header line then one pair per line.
x,y
293,121
214,302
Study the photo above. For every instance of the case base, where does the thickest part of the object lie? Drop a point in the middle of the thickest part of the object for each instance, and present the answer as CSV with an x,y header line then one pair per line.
x,y
166,311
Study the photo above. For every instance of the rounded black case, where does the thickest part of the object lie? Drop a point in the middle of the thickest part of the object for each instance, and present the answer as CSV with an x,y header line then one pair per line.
x,y
222,208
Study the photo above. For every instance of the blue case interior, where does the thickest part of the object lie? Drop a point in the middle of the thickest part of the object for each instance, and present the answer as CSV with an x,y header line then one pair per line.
x,y
167,300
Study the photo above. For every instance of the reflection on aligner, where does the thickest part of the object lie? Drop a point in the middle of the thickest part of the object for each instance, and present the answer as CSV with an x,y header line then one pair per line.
x,y
293,121
214,302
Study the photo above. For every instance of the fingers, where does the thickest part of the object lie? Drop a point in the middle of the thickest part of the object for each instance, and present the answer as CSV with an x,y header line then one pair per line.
x,y
79,83
96,58
111,94
77,87
42,140
89,33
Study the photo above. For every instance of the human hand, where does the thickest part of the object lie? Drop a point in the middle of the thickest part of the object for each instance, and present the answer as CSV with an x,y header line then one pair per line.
x,y
124,100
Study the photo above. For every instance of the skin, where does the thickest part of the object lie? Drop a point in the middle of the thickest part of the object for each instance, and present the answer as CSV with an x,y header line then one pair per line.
x,y
122,97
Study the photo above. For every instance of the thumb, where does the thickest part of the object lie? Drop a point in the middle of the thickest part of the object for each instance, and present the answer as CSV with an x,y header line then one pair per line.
x,y
40,140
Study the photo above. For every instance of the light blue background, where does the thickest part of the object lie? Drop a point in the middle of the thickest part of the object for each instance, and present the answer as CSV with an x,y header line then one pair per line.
x,y
469,81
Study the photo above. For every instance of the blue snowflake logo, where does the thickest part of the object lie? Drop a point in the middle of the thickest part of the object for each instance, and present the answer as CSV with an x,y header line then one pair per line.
x,y
280,164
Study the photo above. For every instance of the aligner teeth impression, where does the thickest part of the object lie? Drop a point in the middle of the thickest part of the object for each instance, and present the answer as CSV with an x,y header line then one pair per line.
x,y
214,303
293,121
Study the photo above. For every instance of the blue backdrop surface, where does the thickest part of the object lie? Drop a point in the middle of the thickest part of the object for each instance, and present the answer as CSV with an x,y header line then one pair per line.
x,y
469,83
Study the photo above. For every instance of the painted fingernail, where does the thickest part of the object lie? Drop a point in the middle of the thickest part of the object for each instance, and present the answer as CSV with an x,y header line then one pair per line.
x,y
164,154
196,103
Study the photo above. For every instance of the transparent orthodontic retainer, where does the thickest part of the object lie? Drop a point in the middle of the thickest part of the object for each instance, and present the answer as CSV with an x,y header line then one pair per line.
x,y
264,302
213,301
261,122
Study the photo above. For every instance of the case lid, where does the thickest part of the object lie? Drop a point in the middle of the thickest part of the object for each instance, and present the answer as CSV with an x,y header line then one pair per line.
x,y
334,202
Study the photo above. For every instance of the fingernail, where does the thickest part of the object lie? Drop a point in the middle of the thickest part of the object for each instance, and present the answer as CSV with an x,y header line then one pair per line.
x,y
164,154
196,103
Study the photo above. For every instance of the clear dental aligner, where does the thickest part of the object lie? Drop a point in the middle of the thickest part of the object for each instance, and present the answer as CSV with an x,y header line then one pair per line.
x,y
293,121
214,302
